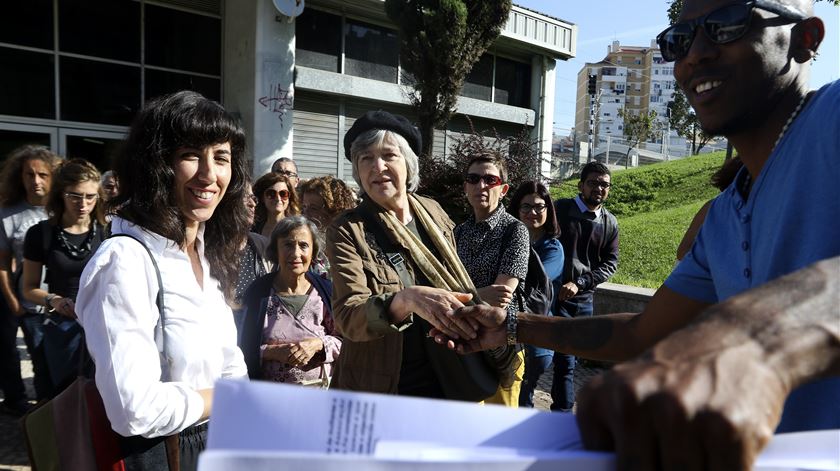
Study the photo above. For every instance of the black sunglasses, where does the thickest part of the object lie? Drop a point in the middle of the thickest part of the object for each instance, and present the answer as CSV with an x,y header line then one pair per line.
x,y
489,180
724,25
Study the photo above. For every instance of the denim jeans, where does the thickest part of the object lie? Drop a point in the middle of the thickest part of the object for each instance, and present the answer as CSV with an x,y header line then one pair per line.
x,y
563,387
536,362
33,334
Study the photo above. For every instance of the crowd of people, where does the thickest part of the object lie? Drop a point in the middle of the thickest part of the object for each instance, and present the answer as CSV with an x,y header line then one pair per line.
x,y
176,269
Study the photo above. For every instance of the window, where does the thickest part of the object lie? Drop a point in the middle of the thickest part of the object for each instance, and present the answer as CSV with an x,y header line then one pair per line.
x,y
160,82
98,92
513,83
318,40
479,82
27,23
31,93
185,41
370,51
102,28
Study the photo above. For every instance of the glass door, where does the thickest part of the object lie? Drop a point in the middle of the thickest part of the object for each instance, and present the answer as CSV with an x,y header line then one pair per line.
x,y
13,136
99,147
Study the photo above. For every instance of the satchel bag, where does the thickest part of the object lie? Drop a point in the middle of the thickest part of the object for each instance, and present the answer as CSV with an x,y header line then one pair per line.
x,y
72,431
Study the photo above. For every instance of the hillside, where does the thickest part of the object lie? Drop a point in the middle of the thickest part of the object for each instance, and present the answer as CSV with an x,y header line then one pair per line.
x,y
654,205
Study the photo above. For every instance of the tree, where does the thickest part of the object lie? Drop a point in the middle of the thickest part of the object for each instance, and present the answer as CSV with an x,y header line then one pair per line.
x,y
684,121
440,41
637,129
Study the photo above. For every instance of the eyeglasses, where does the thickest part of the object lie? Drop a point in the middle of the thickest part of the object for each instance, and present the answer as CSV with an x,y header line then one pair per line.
x,y
598,184
724,25
489,180
526,208
79,197
282,194
287,173
251,198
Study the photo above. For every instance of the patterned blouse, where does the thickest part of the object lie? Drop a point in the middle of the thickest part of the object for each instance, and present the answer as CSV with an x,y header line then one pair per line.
x,y
283,326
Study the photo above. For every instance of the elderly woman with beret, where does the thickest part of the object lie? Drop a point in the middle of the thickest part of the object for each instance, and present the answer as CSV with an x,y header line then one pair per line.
x,y
396,274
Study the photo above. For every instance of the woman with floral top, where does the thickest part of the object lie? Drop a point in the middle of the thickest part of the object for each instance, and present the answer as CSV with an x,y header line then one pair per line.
x,y
288,334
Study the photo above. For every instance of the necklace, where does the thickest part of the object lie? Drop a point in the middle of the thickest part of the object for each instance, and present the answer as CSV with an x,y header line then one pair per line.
x,y
77,252
791,118
745,188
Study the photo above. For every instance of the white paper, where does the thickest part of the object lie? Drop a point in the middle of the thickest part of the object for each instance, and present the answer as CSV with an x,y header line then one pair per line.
x,y
265,426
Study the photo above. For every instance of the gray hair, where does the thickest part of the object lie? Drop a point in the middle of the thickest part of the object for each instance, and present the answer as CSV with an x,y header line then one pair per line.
x,y
108,174
284,228
375,137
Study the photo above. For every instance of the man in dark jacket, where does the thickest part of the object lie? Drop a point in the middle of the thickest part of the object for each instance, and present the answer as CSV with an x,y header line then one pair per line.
x,y
589,234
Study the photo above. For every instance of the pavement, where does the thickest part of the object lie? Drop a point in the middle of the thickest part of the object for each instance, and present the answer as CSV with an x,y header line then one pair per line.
x,y
13,454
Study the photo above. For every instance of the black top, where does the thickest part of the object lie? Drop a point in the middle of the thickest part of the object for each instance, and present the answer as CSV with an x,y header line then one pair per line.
x,y
63,270
590,244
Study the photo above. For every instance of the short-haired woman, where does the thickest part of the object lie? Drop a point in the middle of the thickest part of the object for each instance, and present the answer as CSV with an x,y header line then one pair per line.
x,y
277,199
531,204
63,244
288,335
182,180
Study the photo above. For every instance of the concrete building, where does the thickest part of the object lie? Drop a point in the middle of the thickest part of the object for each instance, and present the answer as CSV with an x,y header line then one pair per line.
x,y
296,82
629,77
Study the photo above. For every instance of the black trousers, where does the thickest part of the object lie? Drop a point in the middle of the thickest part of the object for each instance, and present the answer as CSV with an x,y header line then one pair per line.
x,y
146,454
11,380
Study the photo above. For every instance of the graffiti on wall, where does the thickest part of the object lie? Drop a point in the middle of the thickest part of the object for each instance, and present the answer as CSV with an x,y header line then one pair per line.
x,y
279,101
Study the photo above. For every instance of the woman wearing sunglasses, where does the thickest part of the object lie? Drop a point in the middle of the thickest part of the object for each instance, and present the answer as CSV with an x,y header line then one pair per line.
x,y
277,199
531,204
155,309
63,244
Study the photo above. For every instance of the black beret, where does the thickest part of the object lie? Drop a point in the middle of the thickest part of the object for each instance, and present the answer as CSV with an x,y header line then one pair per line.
x,y
385,121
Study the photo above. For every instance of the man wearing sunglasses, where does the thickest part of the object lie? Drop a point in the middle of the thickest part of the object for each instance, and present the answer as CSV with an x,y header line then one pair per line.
x,y
493,246
589,235
743,339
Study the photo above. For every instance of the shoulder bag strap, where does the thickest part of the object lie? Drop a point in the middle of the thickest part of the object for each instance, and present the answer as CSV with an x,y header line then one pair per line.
x,y
160,305
394,257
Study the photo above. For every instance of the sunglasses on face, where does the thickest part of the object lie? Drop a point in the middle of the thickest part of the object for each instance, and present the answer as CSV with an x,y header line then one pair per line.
x,y
282,194
489,180
526,208
724,25
79,197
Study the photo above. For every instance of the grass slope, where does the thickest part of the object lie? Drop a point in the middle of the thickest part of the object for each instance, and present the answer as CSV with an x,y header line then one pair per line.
x,y
654,205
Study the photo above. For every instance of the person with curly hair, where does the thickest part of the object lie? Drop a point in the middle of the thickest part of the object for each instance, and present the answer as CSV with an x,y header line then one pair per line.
x,y
277,199
24,186
62,245
323,199
183,176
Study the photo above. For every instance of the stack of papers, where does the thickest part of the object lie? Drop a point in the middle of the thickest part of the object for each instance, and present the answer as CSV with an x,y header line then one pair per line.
x,y
265,426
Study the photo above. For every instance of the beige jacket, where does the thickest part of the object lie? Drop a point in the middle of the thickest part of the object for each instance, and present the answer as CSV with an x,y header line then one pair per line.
x,y
364,284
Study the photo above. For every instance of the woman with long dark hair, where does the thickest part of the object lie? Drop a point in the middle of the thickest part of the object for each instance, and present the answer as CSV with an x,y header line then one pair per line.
x,y
63,244
531,204
182,181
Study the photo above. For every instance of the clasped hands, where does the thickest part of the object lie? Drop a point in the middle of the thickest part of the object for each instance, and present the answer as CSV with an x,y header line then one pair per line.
x,y
297,354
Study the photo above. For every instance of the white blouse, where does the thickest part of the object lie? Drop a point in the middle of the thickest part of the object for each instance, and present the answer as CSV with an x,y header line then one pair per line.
x,y
116,306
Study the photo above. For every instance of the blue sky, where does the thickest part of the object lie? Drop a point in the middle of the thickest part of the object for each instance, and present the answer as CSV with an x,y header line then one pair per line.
x,y
635,23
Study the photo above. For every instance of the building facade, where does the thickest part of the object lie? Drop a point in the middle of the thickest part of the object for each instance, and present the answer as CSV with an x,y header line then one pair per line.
x,y
296,83
629,77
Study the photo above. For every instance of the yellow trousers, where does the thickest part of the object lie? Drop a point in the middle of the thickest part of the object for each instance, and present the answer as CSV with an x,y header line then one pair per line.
x,y
510,396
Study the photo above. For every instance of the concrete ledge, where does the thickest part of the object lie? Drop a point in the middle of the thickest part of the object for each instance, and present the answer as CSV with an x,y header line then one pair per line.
x,y
612,297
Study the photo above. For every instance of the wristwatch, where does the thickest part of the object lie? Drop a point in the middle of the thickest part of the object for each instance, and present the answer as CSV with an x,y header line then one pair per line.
x,y
47,299
580,283
512,324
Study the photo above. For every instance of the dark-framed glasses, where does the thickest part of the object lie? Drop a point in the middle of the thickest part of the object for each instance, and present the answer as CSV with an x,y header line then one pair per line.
x,y
724,25
489,180
287,173
598,184
274,194
526,208
79,197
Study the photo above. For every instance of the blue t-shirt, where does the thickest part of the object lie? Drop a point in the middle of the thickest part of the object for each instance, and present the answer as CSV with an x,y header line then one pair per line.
x,y
791,220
